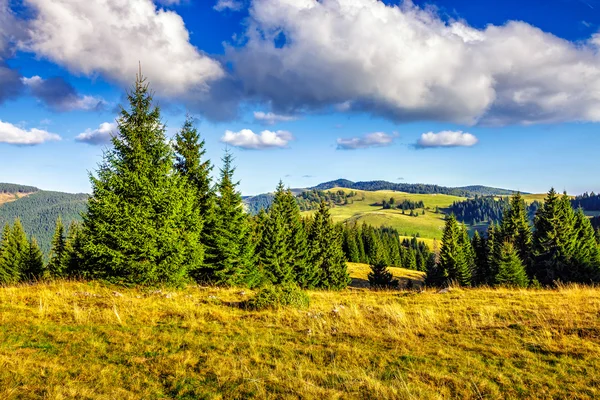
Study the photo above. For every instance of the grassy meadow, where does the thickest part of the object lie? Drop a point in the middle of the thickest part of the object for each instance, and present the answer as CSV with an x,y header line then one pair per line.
x,y
78,340
9,197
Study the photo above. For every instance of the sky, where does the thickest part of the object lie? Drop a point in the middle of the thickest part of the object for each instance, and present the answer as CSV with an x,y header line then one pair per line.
x,y
448,92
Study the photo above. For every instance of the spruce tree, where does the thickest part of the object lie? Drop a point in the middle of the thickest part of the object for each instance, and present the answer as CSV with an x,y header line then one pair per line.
x,y
14,250
230,257
33,261
6,275
480,274
516,228
73,257
586,257
325,251
511,271
469,255
452,253
436,275
297,239
142,225
350,246
55,266
554,240
380,277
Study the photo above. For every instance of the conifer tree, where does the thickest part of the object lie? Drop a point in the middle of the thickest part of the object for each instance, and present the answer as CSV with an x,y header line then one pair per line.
x,y
230,252
586,257
350,246
73,255
297,238
410,260
325,251
380,277
436,275
55,267
14,249
554,239
511,271
481,272
142,225
516,228
452,254
33,261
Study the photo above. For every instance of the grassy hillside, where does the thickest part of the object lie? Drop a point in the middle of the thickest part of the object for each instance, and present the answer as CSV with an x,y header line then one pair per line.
x,y
38,213
428,226
88,341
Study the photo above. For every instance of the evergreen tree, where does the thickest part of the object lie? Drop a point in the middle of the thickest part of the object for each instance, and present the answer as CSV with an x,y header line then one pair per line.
x,y
297,238
516,228
14,250
586,257
325,251
554,240
73,255
452,255
381,278
350,246
494,247
469,256
230,253
142,225
436,275
55,266
511,271
410,260
33,261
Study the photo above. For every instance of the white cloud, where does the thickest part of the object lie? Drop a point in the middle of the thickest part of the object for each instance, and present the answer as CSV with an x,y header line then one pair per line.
x,y
233,5
446,139
99,136
12,134
109,37
406,63
375,139
247,139
272,118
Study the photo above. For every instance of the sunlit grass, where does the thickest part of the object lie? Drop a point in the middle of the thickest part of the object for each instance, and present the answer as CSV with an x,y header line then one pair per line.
x,y
69,340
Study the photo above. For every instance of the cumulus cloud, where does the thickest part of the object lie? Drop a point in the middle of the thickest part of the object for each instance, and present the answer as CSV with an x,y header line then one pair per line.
x,y
247,139
99,136
12,134
406,63
60,95
446,139
109,37
375,139
272,118
233,5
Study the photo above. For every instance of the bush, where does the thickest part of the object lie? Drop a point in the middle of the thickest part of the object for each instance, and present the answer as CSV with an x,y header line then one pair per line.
x,y
279,296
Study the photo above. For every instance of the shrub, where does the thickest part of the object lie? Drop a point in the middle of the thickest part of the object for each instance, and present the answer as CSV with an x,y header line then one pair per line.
x,y
279,296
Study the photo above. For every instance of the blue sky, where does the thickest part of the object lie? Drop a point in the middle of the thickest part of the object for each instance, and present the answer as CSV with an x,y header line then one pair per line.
x,y
451,92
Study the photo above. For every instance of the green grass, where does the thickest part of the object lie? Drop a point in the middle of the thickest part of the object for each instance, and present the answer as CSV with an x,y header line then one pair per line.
x,y
81,341
428,226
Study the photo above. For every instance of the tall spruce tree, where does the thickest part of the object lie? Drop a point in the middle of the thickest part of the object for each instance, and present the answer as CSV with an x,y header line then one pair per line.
x,y
480,274
554,240
511,271
6,275
142,225
297,239
14,250
73,257
229,257
350,245
452,254
436,275
325,251
380,277
55,267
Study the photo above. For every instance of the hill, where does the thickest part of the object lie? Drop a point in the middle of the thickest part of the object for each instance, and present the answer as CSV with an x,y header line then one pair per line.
x,y
10,192
38,213
417,188
79,340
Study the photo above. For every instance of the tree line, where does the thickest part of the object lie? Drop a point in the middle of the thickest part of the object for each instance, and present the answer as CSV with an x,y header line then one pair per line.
x,y
155,217
587,201
488,209
560,246
311,199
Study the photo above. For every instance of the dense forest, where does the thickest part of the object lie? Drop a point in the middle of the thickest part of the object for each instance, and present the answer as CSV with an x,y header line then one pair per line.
x,y
39,211
560,246
467,191
487,209
13,188
587,201
311,199
259,202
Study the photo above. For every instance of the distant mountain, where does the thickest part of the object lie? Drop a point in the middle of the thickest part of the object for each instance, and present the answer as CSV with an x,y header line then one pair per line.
x,y
17,189
38,212
417,188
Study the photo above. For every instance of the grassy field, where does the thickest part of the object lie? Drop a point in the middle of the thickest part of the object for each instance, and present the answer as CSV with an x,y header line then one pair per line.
x,y
89,341
8,197
428,226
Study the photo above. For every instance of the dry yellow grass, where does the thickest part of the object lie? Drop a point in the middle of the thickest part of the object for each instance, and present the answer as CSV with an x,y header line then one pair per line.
x,y
8,197
89,341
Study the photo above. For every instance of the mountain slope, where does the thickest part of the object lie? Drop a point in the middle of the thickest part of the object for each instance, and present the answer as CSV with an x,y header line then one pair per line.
x,y
38,213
